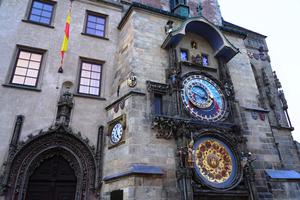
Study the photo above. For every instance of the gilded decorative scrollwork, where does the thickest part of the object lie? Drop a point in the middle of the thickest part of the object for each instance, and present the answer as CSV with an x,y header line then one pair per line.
x,y
214,160
216,163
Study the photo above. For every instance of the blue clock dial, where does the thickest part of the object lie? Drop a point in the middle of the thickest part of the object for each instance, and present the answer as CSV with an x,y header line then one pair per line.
x,y
203,98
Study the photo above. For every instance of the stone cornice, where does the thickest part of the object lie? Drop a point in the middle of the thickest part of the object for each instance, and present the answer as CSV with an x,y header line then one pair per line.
x,y
125,96
136,6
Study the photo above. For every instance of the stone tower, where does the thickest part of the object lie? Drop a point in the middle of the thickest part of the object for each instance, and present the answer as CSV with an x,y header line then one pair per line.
x,y
211,11
158,100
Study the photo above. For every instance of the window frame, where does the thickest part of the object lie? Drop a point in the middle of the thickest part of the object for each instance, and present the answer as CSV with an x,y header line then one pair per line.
x,y
116,194
13,65
208,61
29,10
89,61
157,104
187,54
92,13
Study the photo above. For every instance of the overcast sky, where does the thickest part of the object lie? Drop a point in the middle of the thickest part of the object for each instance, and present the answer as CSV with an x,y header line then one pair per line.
x,y
280,21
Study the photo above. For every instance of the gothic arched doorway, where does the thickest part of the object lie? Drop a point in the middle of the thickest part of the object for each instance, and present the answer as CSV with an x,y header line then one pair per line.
x,y
33,159
53,179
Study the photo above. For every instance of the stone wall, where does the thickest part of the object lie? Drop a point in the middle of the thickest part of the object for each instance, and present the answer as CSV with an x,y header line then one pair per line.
x,y
140,43
39,108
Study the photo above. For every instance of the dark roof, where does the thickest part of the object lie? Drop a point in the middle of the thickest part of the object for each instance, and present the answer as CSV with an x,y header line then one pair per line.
x,y
227,26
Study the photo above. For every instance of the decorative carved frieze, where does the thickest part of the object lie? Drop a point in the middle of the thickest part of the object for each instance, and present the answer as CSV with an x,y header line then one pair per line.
x,y
155,87
265,77
271,97
259,56
277,82
173,127
283,100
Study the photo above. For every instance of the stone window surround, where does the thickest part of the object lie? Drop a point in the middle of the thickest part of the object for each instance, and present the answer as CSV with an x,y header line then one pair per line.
x,y
13,66
92,61
89,12
157,104
28,11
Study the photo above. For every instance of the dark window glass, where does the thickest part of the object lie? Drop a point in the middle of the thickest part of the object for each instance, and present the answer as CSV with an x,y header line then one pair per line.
x,y
183,55
116,195
95,25
90,78
157,104
27,68
205,62
41,12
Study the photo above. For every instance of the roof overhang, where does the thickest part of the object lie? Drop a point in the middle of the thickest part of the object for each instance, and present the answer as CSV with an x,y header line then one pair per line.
x,y
283,175
200,26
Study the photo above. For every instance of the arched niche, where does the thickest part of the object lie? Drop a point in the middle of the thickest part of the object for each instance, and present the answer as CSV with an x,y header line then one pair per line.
x,y
221,46
57,141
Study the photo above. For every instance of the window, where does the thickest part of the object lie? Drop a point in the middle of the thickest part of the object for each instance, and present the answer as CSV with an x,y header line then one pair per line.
x,y
116,195
41,12
95,24
90,78
157,104
205,62
27,68
183,55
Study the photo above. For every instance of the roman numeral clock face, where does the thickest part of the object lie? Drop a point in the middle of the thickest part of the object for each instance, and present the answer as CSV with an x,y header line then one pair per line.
x,y
116,133
203,98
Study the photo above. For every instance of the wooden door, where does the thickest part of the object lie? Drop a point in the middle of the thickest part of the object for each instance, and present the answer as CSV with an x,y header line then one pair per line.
x,y
54,179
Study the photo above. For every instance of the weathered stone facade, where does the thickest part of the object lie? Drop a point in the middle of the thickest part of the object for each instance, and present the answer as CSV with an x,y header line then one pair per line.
x,y
148,52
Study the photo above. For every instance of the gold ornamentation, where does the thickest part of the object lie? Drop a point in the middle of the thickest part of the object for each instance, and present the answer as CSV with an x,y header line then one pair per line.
x,y
132,80
213,161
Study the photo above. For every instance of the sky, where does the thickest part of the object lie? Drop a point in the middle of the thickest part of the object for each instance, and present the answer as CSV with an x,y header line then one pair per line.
x,y
280,22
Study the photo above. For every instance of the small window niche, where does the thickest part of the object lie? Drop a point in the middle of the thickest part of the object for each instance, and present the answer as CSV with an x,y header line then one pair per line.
x,y
205,61
184,55
158,104
116,195
157,96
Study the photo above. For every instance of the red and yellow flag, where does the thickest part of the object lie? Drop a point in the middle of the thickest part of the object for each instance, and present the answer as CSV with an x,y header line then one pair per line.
x,y
64,45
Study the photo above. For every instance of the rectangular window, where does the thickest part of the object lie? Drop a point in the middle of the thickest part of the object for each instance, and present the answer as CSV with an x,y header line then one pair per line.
x,y
90,78
95,24
41,12
157,104
116,195
183,55
205,62
27,68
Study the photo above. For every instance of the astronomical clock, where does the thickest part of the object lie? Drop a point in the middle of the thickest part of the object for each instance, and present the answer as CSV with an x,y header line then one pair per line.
x,y
203,98
202,118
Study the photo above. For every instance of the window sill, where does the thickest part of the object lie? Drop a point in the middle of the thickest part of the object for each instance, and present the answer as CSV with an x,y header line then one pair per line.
x,y
95,36
198,66
89,96
36,23
22,87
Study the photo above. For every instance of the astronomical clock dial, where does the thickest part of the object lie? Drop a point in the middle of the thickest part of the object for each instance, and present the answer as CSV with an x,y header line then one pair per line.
x,y
116,133
203,98
214,163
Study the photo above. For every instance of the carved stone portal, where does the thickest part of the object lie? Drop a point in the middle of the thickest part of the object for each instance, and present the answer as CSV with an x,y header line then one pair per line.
x,y
58,140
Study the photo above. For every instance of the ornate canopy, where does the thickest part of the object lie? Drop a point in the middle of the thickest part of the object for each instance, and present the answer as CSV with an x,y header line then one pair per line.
x,y
221,46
